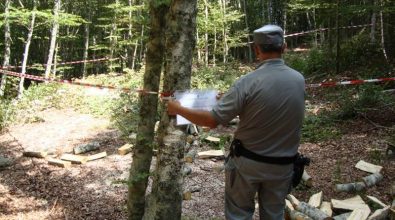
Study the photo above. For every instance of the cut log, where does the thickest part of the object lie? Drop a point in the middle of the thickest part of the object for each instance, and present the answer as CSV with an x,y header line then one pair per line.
x,y
74,158
311,211
376,201
307,180
288,206
326,207
187,196
97,156
190,156
294,201
192,129
373,179
59,163
213,139
368,167
350,187
359,214
37,154
316,199
380,214
343,216
5,162
186,170
125,149
353,203
83,148
211,153
295,215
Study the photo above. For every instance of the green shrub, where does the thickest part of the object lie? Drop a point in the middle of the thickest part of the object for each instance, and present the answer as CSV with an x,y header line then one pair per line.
x,y
367,100
318,128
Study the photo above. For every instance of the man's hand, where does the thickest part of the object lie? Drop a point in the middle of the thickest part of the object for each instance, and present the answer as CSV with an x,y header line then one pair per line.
x,y
173,107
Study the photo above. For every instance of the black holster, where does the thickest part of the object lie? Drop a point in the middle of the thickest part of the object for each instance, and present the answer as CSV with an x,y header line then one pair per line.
x,y
299,164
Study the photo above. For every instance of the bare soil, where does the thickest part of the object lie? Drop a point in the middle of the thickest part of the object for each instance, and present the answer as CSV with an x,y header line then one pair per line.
x,y
32,189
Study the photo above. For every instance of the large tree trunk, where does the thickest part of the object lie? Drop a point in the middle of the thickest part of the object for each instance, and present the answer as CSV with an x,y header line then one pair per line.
x,y
166,198
54,34
27,48
7,45
143,151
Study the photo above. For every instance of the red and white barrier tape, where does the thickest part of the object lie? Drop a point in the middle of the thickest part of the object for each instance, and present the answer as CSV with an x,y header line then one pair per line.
x,y
166,94
43,79
351,82
324,29
65,63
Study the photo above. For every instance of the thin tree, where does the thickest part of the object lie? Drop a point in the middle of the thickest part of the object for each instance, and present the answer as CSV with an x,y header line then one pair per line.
x,y
166,196
143,151
7,45
54,34
27,46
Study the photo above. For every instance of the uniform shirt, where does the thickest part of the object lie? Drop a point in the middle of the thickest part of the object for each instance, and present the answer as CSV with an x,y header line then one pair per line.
x,y
270,104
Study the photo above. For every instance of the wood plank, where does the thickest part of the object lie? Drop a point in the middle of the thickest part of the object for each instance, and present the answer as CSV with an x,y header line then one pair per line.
x,y
37,154
211,153
294,201
213,139
380,214
368,167
359,214
327,208
97,156
59,163
307,180
125,149
353,203
377,201
77,159
316,199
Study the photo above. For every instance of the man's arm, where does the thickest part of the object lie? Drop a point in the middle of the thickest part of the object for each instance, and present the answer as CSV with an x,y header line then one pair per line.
x,y
199,117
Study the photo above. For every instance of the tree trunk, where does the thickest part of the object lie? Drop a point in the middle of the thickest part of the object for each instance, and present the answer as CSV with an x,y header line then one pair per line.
x,y
224,32
55,60
143,151
206,53
382,32
248,29
373,27
166,198
86,48
7,45
54,34
337,39
27,48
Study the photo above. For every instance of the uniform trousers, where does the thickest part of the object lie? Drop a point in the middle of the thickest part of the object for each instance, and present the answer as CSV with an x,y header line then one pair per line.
x,y
245,178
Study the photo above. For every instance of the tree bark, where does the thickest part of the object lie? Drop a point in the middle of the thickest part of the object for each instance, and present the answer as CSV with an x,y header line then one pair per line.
x,y
143,150
54,34
166,198
27,47
7,45
86,47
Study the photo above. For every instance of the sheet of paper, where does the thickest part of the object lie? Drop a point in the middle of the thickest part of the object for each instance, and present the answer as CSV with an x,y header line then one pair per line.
x,y
195,99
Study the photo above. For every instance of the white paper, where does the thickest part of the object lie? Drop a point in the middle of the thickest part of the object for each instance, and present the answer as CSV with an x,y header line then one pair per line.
x,y
195,99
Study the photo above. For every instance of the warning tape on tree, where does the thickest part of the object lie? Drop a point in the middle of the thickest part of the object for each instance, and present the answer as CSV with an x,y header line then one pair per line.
x,y
324,29
165,94
65,63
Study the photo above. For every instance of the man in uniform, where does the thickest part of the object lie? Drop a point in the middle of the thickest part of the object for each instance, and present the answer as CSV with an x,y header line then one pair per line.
x,y
270,104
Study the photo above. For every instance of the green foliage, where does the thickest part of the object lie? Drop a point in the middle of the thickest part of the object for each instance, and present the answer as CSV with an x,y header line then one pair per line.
x,y
317,128
315,62
218,77
365,100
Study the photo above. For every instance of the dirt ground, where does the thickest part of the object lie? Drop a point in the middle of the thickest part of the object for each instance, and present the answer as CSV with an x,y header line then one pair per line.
x,y
32,189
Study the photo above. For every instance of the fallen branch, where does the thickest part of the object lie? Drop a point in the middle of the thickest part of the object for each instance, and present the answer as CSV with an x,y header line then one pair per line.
x,y
373,179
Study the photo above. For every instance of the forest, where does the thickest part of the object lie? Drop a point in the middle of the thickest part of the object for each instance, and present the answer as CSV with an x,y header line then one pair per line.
x,y
84,131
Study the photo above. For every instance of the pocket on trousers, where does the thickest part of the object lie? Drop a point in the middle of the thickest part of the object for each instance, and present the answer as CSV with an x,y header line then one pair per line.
x,y
230,172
